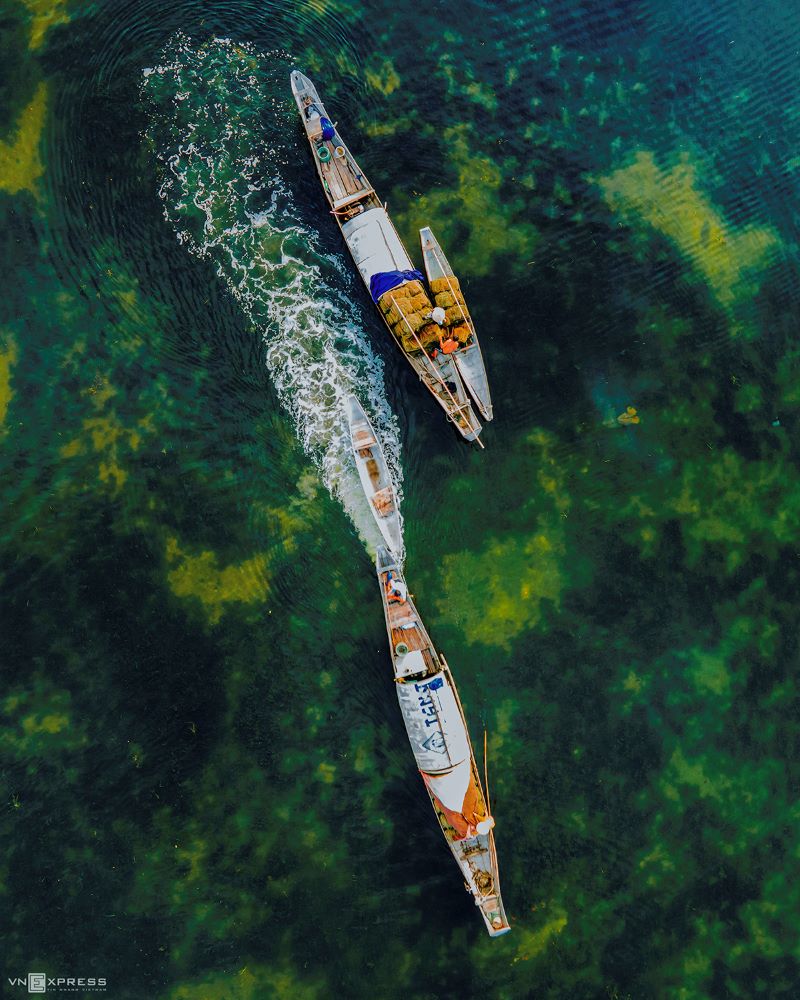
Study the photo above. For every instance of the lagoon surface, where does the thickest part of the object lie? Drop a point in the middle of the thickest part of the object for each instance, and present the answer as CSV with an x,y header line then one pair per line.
x,y
206,791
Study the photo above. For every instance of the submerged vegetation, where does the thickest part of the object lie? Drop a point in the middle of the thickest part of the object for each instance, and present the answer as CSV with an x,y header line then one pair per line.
x,y
20,161
731,262
207,791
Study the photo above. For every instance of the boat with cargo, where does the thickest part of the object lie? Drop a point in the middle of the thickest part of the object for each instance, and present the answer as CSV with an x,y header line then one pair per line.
x,y
433,337
437,730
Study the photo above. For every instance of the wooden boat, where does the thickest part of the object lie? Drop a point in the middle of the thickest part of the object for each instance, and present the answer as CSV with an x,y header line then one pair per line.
x,y
437,731
377,250
374,474
447,293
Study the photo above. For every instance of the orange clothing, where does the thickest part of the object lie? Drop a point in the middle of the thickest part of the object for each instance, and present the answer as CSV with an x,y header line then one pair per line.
x,y
392,595
472,812
448,346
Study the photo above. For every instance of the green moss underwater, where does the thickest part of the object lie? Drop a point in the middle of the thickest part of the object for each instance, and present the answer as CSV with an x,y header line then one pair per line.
x,y
205,790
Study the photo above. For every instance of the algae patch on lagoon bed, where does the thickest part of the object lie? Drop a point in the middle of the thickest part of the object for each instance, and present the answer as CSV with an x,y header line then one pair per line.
x,y
21,165
45,14
731,260
200,576
8,358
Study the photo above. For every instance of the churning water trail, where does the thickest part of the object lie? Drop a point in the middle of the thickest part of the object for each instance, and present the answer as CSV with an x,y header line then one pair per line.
x,y
225,149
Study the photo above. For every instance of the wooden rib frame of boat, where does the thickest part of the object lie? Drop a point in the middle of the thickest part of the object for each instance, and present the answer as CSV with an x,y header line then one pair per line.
x,y
439,737
376,248
373,472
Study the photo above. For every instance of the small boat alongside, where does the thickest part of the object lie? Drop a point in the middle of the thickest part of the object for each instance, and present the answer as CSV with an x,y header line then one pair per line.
x,y
395,286
447,294
437,731
374,475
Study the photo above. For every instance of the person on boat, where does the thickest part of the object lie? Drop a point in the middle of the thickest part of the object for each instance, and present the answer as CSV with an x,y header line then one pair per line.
x,y
449,345
310,108
328,129
438,316
396,590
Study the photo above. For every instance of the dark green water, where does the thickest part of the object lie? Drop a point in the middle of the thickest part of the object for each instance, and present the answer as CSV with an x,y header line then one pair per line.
x,y
205,786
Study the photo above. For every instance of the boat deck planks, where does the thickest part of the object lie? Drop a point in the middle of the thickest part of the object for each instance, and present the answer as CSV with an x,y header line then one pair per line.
x,y
415,638
341,179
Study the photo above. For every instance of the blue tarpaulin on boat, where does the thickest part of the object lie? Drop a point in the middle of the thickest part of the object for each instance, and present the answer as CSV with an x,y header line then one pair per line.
x,y
328,131
385,281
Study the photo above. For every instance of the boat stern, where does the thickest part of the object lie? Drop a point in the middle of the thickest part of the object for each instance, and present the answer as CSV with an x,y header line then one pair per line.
x,y
494,915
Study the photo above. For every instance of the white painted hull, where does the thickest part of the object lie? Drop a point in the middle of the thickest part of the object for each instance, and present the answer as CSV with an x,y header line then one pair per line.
x,y
469,360
374,475
439,737
375,246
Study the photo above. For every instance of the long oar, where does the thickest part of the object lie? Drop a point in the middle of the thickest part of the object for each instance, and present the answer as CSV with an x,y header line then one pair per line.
x,y
486,773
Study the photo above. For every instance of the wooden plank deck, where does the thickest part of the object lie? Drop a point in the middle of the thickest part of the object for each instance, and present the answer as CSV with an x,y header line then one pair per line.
x,y
341,179
363,438
414,638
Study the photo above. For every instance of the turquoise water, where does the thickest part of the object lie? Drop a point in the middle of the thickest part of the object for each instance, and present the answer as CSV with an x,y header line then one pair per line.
x,y
207,790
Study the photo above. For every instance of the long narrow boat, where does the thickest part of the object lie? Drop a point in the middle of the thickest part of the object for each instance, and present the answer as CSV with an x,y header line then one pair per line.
x,y
437,731
374,475
382,260
447,293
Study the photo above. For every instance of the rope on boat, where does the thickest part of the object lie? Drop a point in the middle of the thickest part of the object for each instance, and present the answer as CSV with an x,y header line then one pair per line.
x,y
465,316
456,404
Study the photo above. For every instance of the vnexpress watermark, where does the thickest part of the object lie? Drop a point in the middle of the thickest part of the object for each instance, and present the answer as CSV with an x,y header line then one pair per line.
x,y
40,982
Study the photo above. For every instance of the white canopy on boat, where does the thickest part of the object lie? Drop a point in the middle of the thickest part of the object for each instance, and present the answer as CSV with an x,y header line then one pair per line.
x,y
434,724
374,244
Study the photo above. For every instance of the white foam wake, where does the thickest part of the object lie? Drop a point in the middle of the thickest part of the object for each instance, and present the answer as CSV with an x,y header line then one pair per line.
x,y
226,151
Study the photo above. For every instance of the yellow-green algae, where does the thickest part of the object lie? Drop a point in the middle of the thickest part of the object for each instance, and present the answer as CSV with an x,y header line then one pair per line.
x,y
462,80
728,501
475,204
252,982
532,941
105,436
20,161
382,76
671,201
45,14
38,721
201,577
502,586
215,868
8,358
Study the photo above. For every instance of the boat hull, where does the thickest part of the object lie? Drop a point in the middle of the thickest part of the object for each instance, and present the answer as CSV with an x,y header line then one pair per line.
x,y
439,737
347,190
469,359
373,472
